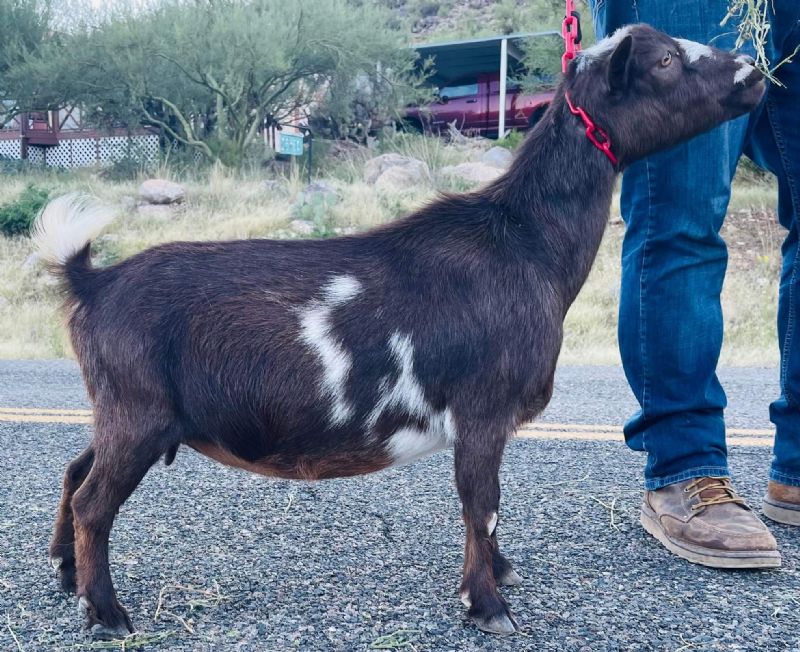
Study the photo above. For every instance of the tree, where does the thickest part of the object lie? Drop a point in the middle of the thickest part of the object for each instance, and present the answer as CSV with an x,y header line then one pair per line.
x,y
23,26
207,72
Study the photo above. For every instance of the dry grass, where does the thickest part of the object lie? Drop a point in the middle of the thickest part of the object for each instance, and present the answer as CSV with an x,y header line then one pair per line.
x,y
221,205
753,26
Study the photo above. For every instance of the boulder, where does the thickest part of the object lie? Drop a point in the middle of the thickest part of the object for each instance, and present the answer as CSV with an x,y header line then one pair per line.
x,y
472,172
319,189
397,179
377,166
161,191
498,157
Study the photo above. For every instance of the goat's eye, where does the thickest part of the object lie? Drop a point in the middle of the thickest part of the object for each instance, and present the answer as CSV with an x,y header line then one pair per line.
x,y
667,59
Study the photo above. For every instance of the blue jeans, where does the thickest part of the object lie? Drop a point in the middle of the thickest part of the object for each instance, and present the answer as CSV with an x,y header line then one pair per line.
x,y
674,260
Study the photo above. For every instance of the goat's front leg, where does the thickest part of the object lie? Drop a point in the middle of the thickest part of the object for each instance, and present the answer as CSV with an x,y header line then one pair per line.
x,y
478,454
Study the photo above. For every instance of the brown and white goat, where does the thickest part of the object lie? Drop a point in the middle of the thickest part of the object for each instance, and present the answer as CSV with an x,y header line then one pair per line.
x,y
328,358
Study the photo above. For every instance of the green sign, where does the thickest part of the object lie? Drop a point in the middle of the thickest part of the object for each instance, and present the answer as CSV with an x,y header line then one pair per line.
x,y
291,144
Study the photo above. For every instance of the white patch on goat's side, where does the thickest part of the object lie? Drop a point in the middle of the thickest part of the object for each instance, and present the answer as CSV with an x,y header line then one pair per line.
x,y
409,444
744,70
407,395
601,49
315,331
465,599
491,524
693,50
67,224
341,289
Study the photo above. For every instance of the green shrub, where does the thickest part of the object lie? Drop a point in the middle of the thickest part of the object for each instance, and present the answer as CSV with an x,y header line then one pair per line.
x,y
17,217
315,207
14,166
512,140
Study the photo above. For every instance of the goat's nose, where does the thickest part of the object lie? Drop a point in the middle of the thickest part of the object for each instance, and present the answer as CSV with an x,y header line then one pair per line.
x,y
746,58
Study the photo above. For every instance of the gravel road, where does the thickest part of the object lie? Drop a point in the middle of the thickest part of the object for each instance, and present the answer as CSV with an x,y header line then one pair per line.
x,y
239,562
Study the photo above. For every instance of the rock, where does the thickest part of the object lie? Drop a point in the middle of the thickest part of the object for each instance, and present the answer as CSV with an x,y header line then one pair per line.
x,y
498,157
397,179
346,150
472,172
302,227
161,191
377,166
3,302
319,188
344,230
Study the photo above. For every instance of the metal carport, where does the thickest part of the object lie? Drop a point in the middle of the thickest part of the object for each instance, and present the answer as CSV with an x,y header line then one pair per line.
x,y
453,59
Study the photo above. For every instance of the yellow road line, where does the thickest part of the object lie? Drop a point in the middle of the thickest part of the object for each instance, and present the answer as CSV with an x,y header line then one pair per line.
x,y
536,430
584,435
542,425
43,411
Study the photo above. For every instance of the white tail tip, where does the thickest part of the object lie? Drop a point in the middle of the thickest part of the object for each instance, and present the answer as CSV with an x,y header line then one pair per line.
x,y
67,224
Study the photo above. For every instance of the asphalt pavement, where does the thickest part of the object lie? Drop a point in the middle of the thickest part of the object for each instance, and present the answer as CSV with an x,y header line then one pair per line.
x,y
211,558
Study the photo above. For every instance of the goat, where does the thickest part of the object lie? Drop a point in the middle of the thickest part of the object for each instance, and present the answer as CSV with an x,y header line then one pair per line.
x,y
329,358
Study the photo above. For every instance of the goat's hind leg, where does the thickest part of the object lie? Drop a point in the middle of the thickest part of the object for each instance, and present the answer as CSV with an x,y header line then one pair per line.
x,y
478,453
122,458
62,545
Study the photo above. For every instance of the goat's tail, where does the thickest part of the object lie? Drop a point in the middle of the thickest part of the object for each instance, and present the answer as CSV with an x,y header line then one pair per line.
x,y
63,232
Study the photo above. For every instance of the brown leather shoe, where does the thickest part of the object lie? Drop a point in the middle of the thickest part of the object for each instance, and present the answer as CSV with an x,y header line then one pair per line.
x,y
704,521
782,503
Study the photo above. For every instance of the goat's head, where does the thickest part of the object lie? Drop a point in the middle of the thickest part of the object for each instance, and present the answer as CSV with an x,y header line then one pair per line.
x,y
650,91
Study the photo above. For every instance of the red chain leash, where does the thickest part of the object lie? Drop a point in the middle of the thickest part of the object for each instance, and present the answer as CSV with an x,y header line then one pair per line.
x,y
594,133
571,31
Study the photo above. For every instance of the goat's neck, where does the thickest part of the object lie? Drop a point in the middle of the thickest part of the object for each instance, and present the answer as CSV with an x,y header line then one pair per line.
x,y
561,186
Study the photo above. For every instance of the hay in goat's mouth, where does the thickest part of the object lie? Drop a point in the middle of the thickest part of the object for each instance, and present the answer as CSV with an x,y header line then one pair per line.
x,y
753,26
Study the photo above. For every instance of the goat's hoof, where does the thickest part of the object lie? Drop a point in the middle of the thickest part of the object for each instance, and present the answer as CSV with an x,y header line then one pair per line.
x,y
500,624
511,578
491,614
101,630
103,633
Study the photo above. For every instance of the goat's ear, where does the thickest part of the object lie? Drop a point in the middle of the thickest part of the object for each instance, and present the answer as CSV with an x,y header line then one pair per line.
x,y
619,65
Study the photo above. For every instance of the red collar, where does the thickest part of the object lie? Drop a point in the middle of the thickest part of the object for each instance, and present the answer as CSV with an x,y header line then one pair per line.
x,y
594,133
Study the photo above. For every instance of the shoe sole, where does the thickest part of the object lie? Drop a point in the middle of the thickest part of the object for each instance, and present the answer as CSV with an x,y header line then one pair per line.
x,y
780,514
709,556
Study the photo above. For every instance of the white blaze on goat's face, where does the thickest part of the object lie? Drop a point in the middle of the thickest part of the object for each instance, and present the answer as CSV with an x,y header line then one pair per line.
x,y
744,70
315,331
406,395
693,51
601,49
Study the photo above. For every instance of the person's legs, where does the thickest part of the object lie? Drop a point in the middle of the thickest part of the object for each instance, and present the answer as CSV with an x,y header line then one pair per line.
x,y
673,265
670,321
775,144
